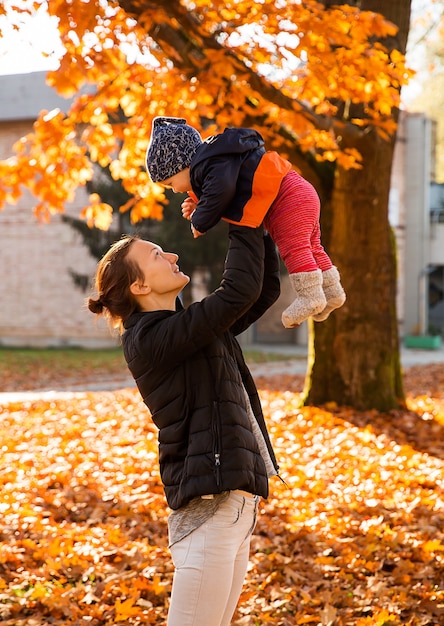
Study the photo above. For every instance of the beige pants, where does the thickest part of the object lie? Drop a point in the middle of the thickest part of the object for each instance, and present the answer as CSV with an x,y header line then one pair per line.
x,y
211,563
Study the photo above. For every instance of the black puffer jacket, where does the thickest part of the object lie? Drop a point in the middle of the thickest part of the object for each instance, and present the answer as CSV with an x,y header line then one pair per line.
x,y
191,374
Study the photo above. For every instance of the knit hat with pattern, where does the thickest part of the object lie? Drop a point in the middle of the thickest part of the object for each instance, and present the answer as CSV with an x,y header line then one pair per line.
x,y
171,148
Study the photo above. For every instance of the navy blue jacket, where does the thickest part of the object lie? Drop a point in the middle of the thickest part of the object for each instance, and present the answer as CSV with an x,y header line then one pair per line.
x,y
235,179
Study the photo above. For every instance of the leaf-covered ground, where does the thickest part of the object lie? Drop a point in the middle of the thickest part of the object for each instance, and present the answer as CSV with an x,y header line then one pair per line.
x,y
354,537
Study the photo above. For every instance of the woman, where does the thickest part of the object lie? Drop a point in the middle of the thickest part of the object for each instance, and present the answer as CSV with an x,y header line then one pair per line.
x,y
214,451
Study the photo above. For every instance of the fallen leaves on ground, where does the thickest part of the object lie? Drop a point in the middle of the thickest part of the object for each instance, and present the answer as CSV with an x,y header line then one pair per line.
x,y
354,537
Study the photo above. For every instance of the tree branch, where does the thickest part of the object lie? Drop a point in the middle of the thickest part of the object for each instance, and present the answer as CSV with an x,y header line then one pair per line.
x,y
189,44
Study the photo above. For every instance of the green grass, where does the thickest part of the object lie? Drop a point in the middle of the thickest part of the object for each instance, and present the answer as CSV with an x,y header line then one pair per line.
x,y
47,368
263,356
25,360
22,368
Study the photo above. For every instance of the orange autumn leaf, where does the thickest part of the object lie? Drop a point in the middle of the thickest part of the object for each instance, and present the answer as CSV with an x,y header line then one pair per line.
x,y
381,618
159,587
126,609
433,545
98,214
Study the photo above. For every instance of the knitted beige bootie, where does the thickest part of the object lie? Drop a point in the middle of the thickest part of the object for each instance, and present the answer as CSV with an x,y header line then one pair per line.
x,y
310,298
334,293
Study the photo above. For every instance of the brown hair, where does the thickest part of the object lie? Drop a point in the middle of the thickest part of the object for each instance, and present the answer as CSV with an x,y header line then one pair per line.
x,y
115,273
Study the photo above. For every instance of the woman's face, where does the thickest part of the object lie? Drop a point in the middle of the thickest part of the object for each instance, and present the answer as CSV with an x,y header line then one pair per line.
x,y
160,270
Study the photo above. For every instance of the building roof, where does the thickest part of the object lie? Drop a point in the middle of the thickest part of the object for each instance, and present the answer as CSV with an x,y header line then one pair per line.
x,y
23,96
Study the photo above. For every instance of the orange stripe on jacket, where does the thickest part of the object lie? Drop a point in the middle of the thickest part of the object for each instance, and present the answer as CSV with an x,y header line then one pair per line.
x,y
266,183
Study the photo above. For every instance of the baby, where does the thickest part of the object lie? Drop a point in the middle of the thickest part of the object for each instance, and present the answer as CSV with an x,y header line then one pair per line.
x,y
231,176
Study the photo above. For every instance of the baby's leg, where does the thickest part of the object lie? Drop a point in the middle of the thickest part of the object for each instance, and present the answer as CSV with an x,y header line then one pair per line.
x,y
322,259
293,222
290,221
331,282
333,291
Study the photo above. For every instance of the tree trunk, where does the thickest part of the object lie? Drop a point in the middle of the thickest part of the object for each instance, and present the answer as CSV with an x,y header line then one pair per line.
x,y
356,350
354,354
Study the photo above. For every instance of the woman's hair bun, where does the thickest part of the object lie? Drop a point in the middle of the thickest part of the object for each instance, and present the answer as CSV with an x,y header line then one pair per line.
x,y
95,305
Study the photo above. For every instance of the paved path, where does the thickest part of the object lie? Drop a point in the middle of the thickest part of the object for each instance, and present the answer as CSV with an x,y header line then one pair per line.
x,y
296,363
297,359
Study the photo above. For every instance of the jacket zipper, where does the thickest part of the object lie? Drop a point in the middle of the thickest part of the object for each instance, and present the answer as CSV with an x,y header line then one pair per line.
x,y
216,431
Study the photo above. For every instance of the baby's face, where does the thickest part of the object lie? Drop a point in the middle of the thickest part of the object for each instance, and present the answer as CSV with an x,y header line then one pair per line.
x,y
180,182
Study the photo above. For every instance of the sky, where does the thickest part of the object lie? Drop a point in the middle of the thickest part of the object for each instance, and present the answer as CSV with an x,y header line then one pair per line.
x,y
21,52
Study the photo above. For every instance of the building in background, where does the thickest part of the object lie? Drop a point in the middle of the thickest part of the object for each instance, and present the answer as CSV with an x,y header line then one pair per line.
x,y
41,305
435,293
417,215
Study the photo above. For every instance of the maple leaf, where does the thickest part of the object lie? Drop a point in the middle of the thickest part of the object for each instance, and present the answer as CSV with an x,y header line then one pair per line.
x,y
126,609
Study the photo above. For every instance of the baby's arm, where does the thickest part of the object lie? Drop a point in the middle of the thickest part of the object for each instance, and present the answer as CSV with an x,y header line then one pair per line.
x,y
188,208
196,233
217,190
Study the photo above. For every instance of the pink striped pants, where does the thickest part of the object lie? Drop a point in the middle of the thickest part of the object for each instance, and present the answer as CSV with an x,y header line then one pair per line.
x,y
293,223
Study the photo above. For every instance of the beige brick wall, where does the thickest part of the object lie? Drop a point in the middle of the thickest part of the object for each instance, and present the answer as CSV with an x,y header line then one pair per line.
x,y
39,303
